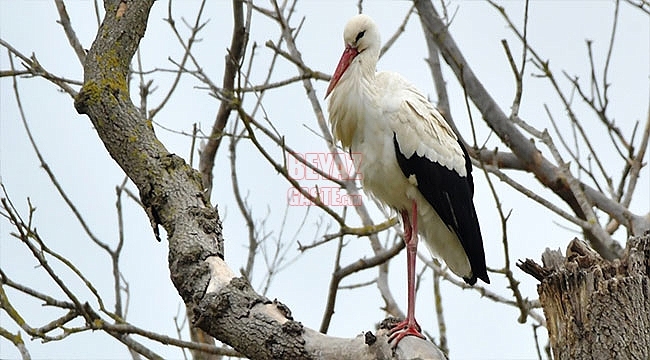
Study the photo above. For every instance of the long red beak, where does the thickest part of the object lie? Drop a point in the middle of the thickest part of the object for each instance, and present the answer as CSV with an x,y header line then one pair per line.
x,y
346,59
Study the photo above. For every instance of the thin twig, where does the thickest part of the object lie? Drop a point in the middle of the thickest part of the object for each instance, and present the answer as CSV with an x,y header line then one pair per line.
x,y
400,30
483,291
361,264
245,210
440,315
238,43
187,47
49,171
64,20
36,69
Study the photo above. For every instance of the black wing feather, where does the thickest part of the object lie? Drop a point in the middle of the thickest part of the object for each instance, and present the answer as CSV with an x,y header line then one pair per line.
x,y
450,195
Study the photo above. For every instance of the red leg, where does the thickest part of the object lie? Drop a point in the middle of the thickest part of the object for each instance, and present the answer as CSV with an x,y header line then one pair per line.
x,y
409,326
407,226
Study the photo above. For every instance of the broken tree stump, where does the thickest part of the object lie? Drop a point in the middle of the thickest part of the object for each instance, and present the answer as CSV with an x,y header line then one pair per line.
x,y
595,308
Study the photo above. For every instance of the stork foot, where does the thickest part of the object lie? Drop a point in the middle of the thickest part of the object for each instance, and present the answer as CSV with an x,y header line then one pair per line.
x,y
402,329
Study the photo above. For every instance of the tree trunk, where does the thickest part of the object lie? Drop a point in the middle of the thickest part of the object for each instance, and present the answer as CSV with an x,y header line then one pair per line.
x,y
594,308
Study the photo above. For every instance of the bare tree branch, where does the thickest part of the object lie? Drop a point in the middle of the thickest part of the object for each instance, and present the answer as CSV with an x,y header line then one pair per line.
x,y
231,70
65,22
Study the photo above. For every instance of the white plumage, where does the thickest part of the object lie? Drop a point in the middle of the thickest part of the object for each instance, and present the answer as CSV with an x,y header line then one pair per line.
x,y
411,159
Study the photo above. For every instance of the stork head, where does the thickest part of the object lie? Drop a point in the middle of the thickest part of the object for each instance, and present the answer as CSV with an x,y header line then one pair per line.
x,y
360,35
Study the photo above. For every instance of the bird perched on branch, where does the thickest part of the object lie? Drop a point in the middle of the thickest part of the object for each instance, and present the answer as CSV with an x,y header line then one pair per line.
x,y
411,160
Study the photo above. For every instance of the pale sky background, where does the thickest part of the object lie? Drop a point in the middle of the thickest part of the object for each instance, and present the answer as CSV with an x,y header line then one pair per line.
x,y
477,328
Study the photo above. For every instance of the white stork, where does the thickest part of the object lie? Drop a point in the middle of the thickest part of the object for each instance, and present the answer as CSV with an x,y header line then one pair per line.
x,y
411,160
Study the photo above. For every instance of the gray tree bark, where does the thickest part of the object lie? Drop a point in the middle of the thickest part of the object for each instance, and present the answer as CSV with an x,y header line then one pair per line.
x,y
224,306
594,308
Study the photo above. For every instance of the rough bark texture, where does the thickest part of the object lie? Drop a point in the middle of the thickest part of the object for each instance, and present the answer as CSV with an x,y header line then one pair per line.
x,y
173,195
594,308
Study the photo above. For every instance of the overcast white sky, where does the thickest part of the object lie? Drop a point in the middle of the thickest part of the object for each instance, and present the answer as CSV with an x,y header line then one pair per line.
x,y
477,328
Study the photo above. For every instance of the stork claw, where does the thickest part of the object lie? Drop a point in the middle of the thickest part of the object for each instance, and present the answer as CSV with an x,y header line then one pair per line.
x,y
403,329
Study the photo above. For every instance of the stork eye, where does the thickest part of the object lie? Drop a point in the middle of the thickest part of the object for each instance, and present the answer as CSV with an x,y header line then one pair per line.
x,y
360,35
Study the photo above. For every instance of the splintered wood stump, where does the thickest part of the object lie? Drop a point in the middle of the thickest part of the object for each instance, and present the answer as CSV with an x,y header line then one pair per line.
x,y
594,308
